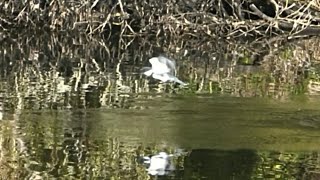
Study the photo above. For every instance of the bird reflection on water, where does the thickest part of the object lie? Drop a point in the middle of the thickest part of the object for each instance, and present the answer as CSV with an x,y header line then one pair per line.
x,y
162,69
159,164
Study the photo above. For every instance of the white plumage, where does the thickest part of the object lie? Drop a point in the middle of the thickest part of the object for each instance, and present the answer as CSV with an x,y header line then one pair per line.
x,y
159,164
162,69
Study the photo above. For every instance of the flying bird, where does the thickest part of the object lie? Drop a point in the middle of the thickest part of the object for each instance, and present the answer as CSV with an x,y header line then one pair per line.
x,y
162,69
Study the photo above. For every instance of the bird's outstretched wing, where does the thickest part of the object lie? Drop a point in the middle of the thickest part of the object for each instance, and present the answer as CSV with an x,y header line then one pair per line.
x,y
159,66
171,64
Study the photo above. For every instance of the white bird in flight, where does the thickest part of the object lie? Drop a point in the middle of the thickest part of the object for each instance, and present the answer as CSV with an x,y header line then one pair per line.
x,y
162,69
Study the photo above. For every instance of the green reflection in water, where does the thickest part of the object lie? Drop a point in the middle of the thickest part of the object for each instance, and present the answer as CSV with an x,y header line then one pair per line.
x,y
217,122
106,142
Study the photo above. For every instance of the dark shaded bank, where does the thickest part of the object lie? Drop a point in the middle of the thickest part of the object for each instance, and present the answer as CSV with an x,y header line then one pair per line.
x,y
222,18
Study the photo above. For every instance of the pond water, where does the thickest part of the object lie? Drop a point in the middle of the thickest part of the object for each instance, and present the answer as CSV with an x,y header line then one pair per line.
x,y
79,108
221,137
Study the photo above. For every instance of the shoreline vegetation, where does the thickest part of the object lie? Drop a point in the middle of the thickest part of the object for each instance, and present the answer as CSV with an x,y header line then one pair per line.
x,y
223,18
78,54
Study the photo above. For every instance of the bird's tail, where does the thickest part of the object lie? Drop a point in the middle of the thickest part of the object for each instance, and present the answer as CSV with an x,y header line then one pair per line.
x,y
175,79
